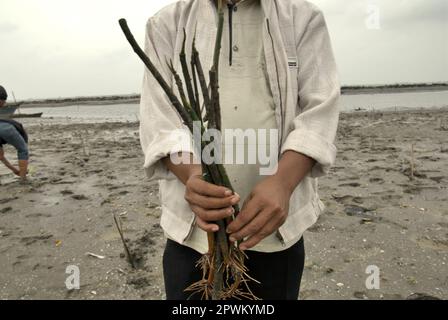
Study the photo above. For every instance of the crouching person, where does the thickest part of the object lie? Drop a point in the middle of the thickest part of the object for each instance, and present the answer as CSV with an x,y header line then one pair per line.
x,y
13,133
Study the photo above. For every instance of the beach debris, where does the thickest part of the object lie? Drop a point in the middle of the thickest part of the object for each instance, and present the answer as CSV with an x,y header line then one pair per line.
x,y
329,270
58,243
366,214
123,214
90,254
366,221
355,210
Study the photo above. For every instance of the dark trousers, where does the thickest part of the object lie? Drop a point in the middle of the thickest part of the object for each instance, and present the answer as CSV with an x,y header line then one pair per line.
x,y
279,273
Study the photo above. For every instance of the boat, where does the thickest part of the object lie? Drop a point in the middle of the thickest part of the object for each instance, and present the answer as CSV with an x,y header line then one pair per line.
x,y
27,115
8,110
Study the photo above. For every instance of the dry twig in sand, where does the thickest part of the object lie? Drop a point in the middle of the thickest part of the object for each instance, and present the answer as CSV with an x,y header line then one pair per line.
x,y
127,252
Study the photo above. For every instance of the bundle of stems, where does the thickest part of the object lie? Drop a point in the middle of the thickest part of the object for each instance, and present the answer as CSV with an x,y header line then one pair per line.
x,y
224,272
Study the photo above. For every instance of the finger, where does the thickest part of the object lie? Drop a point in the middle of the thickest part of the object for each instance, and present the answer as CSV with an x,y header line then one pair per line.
x,y
254,226
212,215
207,227
246,215
211,202
246,201
207,189
266,231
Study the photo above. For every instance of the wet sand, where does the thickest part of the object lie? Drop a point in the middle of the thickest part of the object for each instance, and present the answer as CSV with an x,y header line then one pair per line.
x,y
83,174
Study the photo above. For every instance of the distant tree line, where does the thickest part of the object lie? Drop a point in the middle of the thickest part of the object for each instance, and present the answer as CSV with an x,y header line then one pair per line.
x,y
396,86
133,97
114,98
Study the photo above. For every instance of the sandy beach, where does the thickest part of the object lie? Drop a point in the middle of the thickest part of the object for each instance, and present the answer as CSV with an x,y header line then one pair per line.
x,y
379,213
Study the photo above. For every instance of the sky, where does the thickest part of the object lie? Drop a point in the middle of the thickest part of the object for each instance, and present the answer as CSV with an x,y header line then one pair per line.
x,y
66,48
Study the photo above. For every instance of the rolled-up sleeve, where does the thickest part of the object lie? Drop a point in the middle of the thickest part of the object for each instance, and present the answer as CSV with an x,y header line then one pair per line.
x,y
314,128
161,130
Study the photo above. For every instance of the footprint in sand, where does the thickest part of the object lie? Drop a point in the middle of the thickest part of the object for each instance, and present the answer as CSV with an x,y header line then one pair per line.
x,y
38,215
32,239
5,210
348,199
376,180
437,179
80,197
139,282
391,197
6,200
351,184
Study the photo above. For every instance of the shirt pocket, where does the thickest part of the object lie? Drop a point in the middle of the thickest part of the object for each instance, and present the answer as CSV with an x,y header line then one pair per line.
x,y
293,69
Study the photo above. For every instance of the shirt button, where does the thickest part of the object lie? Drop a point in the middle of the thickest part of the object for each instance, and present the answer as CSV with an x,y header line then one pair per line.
x,y
235,8
235,48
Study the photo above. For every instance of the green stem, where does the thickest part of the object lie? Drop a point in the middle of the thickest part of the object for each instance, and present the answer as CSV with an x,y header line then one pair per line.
x,y
187,79
179,84
215,99
217,51
205,94
195,84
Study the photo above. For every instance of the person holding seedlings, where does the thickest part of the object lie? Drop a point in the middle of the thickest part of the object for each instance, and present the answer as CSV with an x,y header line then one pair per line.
x,y
13,133
277,73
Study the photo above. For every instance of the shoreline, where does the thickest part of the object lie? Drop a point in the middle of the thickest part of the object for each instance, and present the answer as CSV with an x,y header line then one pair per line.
x,y
386,90
357,112
135,98
64,103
